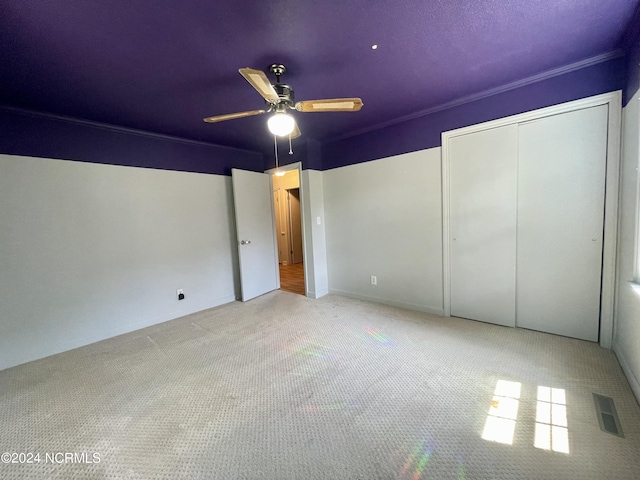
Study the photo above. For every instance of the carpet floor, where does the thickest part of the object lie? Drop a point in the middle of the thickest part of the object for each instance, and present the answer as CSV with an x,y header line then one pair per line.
x,y
287,387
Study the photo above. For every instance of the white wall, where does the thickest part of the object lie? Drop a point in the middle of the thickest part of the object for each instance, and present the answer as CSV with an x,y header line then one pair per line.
x,y
627,317
384,218
90,251
315,242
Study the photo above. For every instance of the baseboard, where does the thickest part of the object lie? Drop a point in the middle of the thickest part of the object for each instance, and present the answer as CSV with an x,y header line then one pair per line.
x,y
121,330
385,301
318,294
628,372
132,327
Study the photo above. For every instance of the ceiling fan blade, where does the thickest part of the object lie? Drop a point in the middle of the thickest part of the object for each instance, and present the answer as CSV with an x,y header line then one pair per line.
x,y
231,116
330,105
261,83
296,131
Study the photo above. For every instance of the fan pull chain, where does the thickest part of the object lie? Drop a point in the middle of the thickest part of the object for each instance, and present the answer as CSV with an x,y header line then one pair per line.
x,y
290,150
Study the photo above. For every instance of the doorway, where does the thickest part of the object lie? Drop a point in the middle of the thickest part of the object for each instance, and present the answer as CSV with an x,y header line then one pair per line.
x,y
288,215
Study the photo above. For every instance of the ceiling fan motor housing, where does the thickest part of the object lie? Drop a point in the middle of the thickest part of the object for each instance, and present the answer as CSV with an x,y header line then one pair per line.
x,y
285,92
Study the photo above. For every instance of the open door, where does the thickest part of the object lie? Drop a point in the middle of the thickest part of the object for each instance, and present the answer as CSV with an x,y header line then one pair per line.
x,y
255,226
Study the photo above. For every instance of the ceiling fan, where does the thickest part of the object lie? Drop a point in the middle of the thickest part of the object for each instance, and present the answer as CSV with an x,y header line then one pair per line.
x,y
279,99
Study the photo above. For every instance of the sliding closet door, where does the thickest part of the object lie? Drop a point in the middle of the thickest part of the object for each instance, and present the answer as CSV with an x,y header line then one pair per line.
x,y
561,179
482,204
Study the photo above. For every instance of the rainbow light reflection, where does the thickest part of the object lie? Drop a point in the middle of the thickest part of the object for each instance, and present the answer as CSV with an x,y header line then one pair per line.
x,y
311,352
416,461
311,349
462,475
378,336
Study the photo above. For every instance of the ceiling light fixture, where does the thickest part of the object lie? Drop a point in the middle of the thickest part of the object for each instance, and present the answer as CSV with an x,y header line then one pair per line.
x,y
374,47
281,124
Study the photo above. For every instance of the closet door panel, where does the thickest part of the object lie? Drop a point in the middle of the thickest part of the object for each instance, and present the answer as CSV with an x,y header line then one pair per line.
x,y
482,244
561,179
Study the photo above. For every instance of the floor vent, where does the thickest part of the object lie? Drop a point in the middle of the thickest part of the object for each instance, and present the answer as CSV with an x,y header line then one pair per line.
x,y
607,415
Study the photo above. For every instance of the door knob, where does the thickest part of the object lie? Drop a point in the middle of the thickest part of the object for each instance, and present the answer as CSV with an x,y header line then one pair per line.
x,y
245,242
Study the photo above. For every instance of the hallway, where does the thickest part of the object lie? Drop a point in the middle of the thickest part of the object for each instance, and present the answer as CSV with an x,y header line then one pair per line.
x,y
292,278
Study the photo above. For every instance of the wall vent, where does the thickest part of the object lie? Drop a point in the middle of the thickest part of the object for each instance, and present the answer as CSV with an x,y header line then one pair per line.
x,y
607,415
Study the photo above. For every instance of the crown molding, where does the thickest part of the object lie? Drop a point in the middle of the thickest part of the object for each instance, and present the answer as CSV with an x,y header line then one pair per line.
x,y
118,128
555,72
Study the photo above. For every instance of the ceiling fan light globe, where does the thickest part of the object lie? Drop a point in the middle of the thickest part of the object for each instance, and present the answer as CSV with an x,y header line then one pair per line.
x,y
281,124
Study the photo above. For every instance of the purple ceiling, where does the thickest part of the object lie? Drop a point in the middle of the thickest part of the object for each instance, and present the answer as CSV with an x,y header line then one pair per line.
x,y
162,66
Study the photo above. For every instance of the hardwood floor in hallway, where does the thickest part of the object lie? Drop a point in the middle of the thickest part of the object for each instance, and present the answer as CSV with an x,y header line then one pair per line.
x,y
292,278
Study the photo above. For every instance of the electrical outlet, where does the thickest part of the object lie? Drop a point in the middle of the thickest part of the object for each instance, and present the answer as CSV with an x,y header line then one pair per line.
x,y
374,280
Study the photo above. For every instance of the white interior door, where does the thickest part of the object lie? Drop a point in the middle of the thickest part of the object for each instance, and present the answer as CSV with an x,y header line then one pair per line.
x,y
561,180
482,202
255,222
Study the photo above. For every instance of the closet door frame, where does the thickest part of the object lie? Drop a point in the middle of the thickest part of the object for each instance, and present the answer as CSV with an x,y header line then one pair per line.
x,y
614,102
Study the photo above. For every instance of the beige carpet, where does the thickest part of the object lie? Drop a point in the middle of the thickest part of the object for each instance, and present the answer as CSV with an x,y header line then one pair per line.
x,y
286,387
